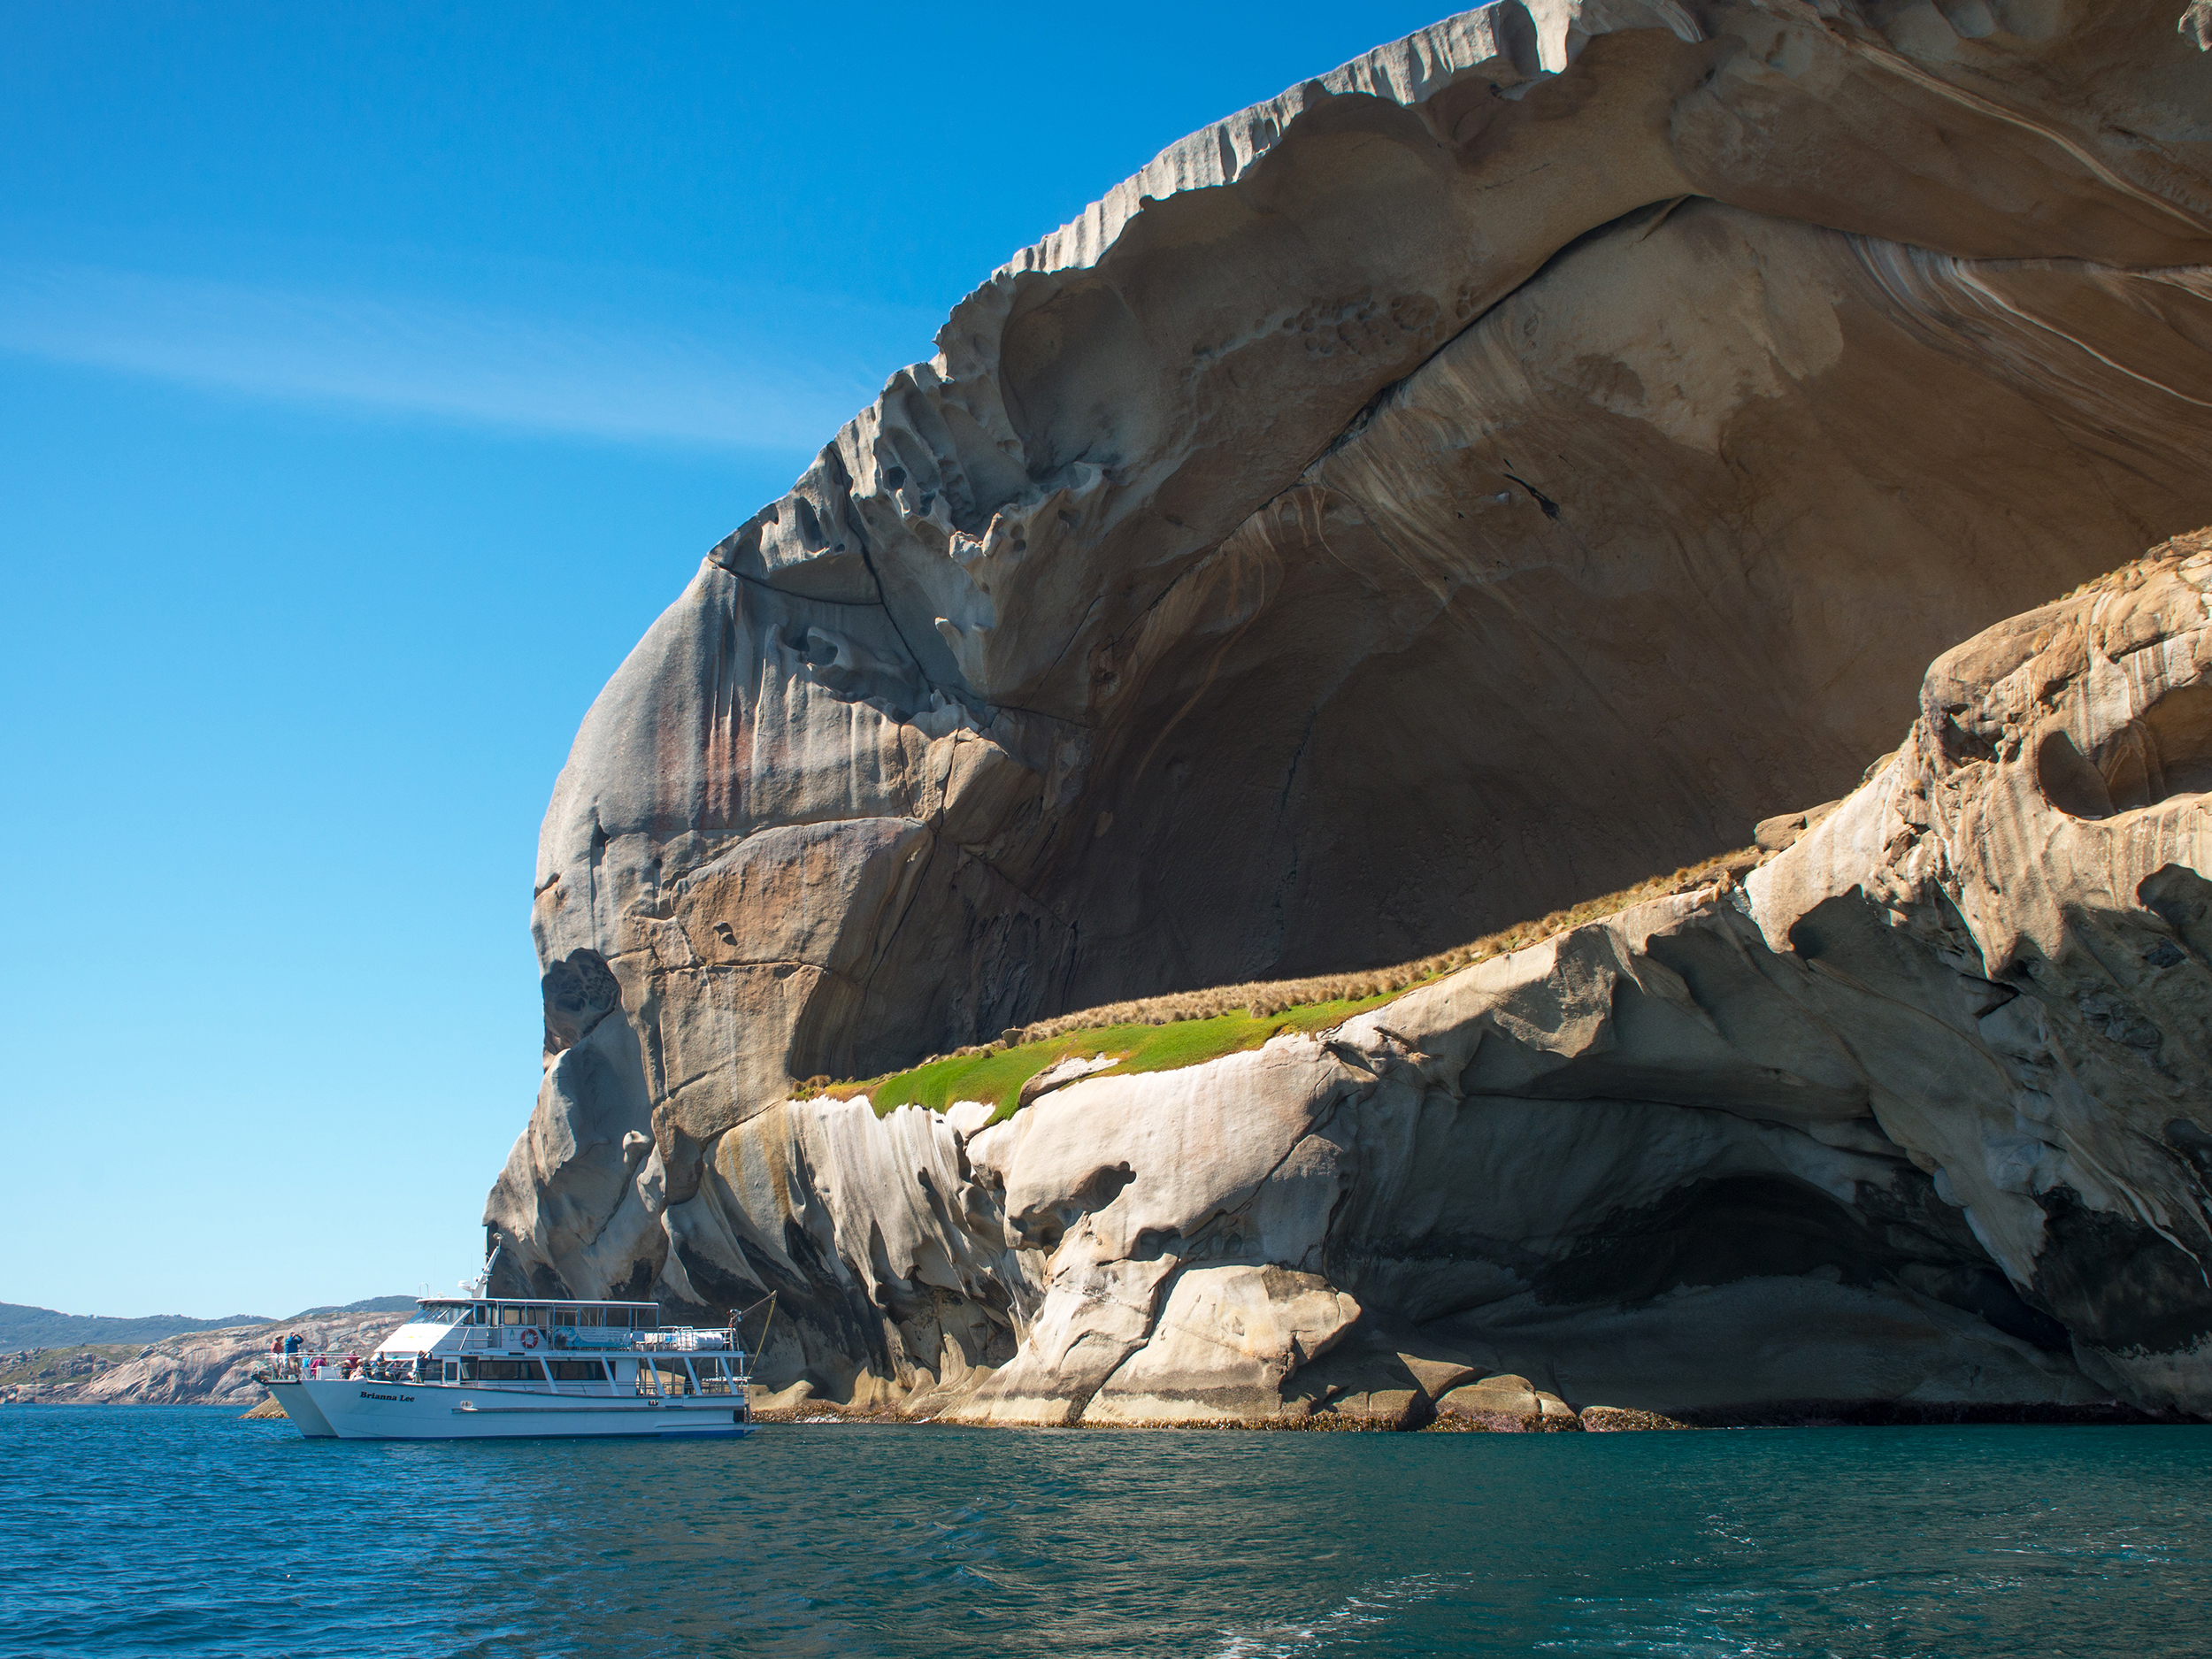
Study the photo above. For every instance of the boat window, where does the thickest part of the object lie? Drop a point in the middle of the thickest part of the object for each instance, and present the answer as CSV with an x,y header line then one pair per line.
x,y
534,1316
587,1315
509,1314
446,1313
617,1319
499,1370
479,1314
577,1370
563,1316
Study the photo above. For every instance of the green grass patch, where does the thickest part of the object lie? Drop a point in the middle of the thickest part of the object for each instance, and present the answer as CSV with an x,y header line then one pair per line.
x,y
998,1076
1166,1033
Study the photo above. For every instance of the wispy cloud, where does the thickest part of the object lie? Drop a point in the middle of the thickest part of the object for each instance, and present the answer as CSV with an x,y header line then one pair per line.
x,y
770,382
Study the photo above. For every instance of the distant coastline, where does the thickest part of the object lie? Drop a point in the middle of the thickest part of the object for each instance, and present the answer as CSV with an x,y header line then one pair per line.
x,y
22,1326
199,1365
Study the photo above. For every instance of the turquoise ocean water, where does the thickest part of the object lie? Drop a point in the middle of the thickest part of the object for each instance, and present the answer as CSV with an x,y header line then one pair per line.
x,y
152,1530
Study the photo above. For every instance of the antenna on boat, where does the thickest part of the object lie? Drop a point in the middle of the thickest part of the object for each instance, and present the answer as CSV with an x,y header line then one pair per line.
x,y
477,1286
737,1320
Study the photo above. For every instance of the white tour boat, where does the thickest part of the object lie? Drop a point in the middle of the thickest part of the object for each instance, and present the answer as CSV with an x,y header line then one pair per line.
x,y
489,1367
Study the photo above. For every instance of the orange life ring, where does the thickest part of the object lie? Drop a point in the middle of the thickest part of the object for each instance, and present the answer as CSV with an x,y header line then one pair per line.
x,y
529,1338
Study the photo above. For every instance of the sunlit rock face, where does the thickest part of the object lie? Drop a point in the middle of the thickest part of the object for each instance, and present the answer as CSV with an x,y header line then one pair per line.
x,y
1918,1113
1508,465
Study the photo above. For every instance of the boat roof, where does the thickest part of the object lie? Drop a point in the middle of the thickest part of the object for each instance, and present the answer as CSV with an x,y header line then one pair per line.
x,y
534,1302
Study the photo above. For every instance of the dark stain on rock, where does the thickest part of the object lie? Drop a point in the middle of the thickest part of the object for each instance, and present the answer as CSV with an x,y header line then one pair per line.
x,y
2182,899
2194,1144
579,990
1718,1231
2118,1283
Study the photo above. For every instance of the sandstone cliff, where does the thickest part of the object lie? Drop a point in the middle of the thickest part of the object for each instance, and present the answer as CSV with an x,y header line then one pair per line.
x,y
1504,466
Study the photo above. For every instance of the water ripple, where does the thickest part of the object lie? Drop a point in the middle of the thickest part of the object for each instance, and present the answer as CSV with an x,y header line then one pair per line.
x,y
175,1531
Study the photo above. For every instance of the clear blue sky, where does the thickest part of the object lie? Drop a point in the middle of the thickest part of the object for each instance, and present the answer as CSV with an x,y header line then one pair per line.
x,y
370,377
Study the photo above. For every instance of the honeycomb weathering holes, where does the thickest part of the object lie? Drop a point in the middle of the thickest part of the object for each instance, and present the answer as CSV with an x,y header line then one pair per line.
x,y
2167,751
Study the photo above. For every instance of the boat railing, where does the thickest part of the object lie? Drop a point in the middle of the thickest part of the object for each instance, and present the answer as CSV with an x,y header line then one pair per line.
x,y
305,1367
512,1339
654,1351
532,1339
673,1387
574,1338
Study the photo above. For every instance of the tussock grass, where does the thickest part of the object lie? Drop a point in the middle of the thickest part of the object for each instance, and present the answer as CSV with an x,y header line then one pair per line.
x,y
2125,578
1163,1034
998,1074
1262,998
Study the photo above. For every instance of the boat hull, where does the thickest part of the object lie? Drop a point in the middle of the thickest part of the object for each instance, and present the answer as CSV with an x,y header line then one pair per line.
x,y
445,1412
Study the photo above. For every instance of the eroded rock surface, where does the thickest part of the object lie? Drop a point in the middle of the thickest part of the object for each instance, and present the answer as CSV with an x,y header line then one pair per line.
x,y
1914,1115
1511,464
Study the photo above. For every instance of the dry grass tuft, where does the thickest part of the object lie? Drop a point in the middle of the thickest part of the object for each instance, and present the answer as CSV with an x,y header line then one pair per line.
x,y
1235,1010
2166,556
1265,998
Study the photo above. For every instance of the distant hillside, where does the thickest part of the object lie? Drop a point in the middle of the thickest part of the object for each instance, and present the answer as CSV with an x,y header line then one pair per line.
x,y
42,1327
22,1327
373,1304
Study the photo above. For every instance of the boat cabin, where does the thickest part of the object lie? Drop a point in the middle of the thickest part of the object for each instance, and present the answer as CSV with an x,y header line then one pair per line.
x,y
542,1346
544,1316
473,1367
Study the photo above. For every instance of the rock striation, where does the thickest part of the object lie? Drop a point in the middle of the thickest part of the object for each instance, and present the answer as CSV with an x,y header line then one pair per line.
x,y
1513,462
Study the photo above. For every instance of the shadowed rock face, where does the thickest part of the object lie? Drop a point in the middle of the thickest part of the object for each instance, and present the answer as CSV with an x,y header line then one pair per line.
x,y
1503,467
